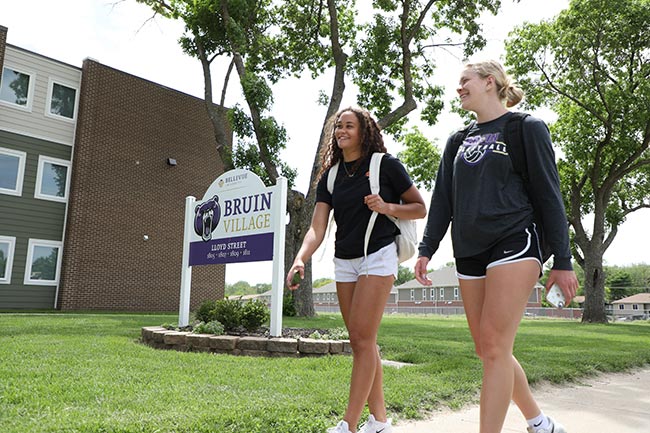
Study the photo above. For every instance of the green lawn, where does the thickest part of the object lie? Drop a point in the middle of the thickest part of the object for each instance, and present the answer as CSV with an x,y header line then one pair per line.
x,y
89,373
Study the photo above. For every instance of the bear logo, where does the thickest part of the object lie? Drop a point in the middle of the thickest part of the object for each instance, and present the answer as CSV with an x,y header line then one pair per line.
x,y
206,219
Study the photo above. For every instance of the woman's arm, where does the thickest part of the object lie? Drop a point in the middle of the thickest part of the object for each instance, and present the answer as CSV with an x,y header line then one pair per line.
x,y
312,240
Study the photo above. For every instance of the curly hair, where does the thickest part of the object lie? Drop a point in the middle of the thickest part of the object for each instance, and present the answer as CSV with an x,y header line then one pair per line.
x,y
371,139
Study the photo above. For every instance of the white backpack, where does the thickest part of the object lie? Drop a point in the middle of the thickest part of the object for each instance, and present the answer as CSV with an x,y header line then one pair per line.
x,y
407,239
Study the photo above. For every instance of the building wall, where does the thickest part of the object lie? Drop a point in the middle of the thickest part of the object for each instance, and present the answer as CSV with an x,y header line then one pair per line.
x,y
123,190
35,120
25,217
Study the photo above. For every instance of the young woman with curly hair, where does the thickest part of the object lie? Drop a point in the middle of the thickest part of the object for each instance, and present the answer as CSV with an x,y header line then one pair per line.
x,y
363,284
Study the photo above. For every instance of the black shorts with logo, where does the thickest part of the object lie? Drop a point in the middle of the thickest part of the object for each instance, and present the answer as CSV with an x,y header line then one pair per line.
x,y
517,247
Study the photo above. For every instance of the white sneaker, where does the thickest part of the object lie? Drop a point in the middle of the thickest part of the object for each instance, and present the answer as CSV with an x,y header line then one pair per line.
x,y
554,428
374,426
341,427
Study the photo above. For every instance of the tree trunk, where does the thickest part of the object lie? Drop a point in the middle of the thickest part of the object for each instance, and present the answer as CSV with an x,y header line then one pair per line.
x,y
594,306
300,218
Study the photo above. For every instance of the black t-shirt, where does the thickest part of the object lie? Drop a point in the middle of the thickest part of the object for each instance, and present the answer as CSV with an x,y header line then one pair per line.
x,y
351,213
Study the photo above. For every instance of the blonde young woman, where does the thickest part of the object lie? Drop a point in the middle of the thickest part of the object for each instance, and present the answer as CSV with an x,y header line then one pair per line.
x,y
363,283
494,238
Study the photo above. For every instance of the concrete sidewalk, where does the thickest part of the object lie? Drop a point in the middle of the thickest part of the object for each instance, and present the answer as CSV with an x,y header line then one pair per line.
x,y
608,403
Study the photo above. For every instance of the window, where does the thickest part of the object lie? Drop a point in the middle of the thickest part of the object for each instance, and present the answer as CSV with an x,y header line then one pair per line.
x,y
16,88
52,179
635,306
424,294
442,293
412,295
61,100
621,307
455,292
12,169
43,262
433,293
7,245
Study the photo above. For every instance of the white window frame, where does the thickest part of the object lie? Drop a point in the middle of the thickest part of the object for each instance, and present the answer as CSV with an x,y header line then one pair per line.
x,y
22,157
48,102
30,255
10,258
442,293
424,294
433,294
30,90
42,159
455,292
412,294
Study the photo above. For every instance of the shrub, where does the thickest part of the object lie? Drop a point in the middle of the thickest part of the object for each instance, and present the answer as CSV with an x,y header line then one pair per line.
x,y
288,309
205,312
332,334
228,312
254,314
213,327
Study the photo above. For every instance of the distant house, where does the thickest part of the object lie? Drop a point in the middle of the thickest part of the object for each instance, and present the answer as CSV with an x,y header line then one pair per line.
x,y
325,298
410,296
445,292
633,307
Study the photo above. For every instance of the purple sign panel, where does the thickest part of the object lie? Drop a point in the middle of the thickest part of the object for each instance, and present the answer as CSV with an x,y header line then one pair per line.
x,y
250,248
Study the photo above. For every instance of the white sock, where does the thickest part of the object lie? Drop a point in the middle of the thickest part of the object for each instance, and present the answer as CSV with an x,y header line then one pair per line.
x,y
539,422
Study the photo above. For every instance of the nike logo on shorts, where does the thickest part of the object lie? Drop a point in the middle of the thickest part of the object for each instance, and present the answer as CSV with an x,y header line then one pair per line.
x,y
507,251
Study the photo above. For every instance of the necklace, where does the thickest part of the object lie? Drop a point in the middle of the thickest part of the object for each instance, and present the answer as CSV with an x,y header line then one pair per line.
x,y
345,167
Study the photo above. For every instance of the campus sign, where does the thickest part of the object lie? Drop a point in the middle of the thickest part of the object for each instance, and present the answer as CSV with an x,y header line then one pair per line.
x,y
238,220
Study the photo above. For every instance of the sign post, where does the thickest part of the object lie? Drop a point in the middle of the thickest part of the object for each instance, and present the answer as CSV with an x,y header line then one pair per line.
x,y
238,220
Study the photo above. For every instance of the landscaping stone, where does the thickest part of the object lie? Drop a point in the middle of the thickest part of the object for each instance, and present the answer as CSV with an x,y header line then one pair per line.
x,y
284,345
311,346
223,342
248,345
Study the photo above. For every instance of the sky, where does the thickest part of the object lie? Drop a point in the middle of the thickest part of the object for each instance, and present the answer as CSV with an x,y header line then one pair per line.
x,y
122,34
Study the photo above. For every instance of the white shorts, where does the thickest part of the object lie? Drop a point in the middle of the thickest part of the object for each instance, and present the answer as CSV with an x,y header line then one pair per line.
x,y
381,263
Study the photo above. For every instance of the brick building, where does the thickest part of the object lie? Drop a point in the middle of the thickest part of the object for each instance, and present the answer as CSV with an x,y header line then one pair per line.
x,y
95,165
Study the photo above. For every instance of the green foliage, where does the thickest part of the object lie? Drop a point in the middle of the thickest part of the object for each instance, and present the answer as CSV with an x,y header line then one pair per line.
x,y
205,311
421,157
618,282
288,307
254,314
228,312
404,274
320,282
214,327
339,333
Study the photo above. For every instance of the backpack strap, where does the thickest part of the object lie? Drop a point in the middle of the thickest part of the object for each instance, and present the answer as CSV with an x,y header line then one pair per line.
x,y
375,164
459,136
331,176
514,138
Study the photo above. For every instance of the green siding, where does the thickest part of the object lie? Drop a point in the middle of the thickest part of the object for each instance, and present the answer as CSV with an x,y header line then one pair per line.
x,y
26,218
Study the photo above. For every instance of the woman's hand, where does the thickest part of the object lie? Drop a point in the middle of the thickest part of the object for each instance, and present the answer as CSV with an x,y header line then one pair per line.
x,y
295,275
567,281
421,271
376,204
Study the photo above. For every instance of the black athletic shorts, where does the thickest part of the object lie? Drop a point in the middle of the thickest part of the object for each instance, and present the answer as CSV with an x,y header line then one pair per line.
x,y
515,248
